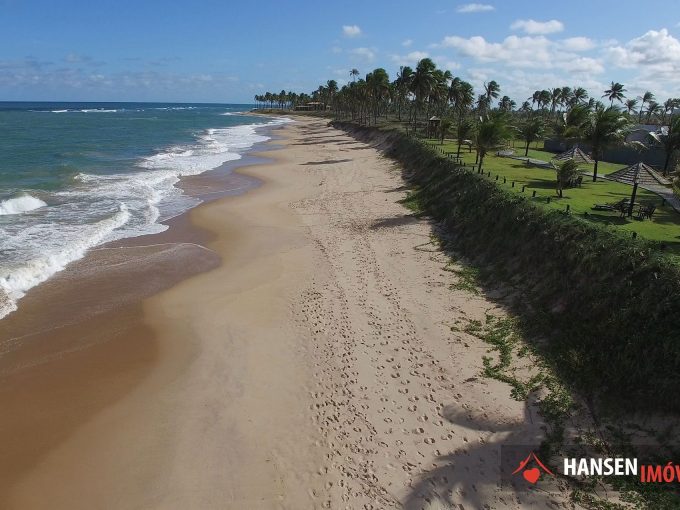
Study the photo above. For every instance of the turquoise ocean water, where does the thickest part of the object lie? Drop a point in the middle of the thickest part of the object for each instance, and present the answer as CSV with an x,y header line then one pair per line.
x,y
76,175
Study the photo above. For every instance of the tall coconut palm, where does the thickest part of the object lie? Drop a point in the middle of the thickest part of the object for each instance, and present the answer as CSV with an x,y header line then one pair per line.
x,y
579,95
421,85
402,84
354,73
603,128
461,96
669,141
445,126
615,92
506,104
653,108
530,130
492,132
630,105
491,91
647,97
544,98
464,131
378,84
669,106
555,98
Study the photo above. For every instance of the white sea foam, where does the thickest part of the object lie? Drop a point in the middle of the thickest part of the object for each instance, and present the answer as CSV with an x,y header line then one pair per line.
x,y
18,279
21,204
99,208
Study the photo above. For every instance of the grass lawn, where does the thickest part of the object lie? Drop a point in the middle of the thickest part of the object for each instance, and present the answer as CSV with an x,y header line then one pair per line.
x,y
664,227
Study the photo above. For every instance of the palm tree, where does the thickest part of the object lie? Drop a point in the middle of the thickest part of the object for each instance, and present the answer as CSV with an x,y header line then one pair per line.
x,y
566,173
544,98
531,130
354,73
492,132
463,132
630,106
578,96
604,127
378,84
647,97
402,84
615,92
506,104
445,126
421,85
555,98
653,108
669,141
461,95
669,107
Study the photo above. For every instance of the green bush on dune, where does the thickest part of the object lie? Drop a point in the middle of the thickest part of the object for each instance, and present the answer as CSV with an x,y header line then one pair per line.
x,y
609,305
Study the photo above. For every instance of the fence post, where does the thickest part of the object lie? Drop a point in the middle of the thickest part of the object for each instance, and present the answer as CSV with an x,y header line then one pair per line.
x,y
533,194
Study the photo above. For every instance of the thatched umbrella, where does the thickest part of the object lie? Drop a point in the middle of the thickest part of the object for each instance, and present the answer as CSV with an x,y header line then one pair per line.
x,y
636,174
576,154
644,174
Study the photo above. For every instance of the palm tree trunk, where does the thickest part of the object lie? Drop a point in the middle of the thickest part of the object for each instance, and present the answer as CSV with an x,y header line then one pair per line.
x,y
526,149
595,170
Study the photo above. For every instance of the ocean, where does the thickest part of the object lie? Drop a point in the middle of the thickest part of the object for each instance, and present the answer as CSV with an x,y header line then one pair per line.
x,y
76,175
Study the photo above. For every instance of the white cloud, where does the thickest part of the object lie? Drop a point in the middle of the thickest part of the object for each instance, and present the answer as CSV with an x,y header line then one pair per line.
x,y
656,49
445,63
532,27
656,57
524,52
467,8
364,53
351,30
336,49
577,44
409,59
406,43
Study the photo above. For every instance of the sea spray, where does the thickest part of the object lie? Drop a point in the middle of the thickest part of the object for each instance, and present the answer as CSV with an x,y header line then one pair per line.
x,y
22,204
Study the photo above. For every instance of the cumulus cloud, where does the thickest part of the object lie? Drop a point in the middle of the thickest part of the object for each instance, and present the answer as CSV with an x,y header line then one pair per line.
x,y
364,53
577,44
409,59
656,49
523,52
656,55
532,27
468,8
351,30
406,43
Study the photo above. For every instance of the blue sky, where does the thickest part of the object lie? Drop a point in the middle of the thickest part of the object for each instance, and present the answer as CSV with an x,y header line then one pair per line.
x,y
218,51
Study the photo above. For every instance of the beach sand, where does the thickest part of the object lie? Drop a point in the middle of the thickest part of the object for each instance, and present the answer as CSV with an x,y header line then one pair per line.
x,y
297,352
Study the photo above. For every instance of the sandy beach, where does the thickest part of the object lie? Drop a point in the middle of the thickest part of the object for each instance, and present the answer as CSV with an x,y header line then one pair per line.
x,y
291,347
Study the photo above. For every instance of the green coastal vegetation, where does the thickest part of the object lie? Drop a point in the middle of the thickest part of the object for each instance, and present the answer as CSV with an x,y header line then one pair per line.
x,y
592,291
490,132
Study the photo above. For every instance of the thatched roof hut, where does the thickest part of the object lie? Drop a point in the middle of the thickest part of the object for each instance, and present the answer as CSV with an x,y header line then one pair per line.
x,y
576,154
644,175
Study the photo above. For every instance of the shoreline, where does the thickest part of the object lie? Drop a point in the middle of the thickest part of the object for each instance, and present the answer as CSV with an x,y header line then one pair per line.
x,y
314,367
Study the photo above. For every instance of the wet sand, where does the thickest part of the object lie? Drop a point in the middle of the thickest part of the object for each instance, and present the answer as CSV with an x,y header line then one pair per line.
x,y
290,347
